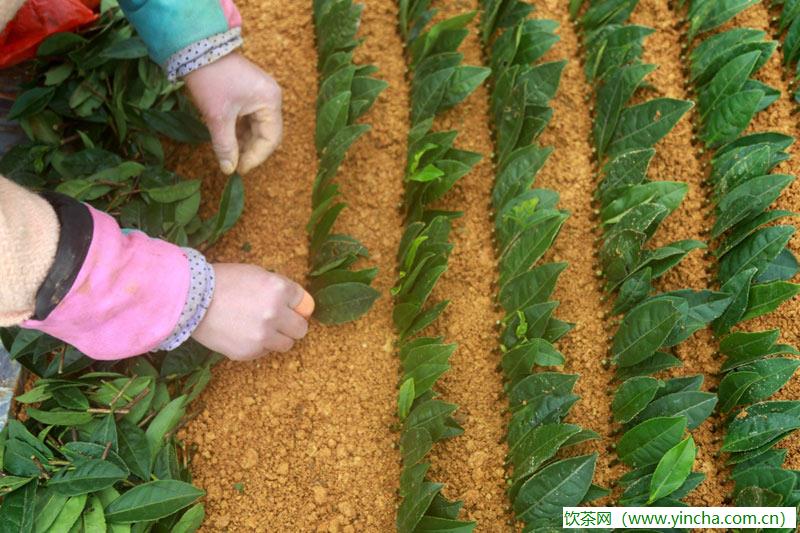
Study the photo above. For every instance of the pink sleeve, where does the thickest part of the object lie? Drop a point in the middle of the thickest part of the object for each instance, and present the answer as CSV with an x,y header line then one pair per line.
x,y
127,297
231,13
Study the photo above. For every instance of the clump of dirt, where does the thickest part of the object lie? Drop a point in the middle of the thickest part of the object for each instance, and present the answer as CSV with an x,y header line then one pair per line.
x,y
308,433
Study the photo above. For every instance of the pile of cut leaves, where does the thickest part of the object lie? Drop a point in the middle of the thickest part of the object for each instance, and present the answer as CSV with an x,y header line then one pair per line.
x,y
95,445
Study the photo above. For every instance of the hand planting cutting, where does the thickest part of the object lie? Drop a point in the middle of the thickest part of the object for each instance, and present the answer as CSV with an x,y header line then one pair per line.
x,y
115,294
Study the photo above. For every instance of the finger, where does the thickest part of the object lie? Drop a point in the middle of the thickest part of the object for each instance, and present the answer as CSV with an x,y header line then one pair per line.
x,y
266,129
225,143
279,342
293,325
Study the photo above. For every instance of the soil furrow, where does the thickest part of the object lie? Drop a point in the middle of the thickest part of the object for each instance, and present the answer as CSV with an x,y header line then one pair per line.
x,y
677,160
308,433
471,465
569,172
781,117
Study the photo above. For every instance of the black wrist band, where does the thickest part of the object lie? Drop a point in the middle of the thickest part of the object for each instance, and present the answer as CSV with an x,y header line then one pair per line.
x,y
77,228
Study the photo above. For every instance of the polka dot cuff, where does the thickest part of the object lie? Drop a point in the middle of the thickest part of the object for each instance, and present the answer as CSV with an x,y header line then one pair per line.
x,y
202,53
201,289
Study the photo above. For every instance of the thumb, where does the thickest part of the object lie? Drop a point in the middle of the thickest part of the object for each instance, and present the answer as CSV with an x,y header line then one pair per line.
x,y
225,143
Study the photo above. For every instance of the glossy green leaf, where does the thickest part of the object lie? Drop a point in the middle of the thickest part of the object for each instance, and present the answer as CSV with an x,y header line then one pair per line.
x,y
632,396
643,330
17,513
672,469
562,484
647,442
643,125
693,406
344,302
756,251
748,200
152,501
760,424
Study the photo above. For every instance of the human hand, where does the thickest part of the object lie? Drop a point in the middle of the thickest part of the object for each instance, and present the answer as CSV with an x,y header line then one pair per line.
x,y
241,105
253,312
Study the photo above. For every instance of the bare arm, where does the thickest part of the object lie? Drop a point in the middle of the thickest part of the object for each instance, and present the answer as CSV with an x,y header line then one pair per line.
x,y
29,234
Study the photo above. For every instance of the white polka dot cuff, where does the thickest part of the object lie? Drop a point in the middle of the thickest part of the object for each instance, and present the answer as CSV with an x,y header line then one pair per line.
x,y
202,53
201,289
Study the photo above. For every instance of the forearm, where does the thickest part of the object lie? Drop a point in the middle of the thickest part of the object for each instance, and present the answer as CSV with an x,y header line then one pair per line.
x,y
29,232
70,271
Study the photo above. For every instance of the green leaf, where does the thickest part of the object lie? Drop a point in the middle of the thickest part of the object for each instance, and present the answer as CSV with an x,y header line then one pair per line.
x,y
656,363
174,193
17,513
782,268
70,514
344,302
433,524
538,446
542,497
414,445
739,288
728,81
760,424
756,251
647,442
672,470
49,504
710,55
191,520
163,423
710,15
694,406
31,102
59,44
730,117
748,200
773,375
88,476
152,501
135,449
94,519
531,287
405,398
59,417
177,125
767,297
643,330
733,386
632,397
643,125
132,48
12,483
230,207
743,347
611,98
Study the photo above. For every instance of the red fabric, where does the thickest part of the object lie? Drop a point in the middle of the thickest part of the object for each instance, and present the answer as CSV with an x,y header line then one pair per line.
x,y
37,20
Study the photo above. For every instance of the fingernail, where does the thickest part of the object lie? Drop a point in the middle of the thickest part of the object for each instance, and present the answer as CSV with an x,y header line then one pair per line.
x,y
227,166
306,305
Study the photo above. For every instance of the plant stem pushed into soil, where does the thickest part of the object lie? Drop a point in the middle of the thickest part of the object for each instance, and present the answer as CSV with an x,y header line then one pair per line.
x,y
569,171
472,464
677,159
308,433
780,117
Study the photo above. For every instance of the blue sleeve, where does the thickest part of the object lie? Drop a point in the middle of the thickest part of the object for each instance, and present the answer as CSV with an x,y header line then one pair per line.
x,y
168,26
